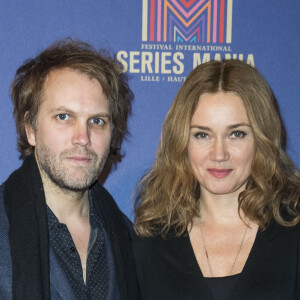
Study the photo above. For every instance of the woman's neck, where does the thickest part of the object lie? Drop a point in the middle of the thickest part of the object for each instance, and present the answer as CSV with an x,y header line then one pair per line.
x,y
220,209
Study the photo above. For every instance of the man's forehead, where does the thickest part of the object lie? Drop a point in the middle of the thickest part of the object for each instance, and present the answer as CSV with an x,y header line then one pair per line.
x,y
63,72
57,77
67,85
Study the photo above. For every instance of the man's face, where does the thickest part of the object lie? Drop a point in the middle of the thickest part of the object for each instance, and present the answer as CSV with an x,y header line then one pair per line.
x,y
73,130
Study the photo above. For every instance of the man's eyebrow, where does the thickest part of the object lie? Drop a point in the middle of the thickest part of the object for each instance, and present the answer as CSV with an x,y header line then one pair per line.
x,y
62,108
68,110
102,115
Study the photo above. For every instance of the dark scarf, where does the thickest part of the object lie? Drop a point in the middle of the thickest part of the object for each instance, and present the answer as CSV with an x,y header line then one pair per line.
x,y
29,242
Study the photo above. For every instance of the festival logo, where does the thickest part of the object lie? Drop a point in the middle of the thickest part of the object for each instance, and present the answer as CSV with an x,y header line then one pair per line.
x,y
187,21
178,35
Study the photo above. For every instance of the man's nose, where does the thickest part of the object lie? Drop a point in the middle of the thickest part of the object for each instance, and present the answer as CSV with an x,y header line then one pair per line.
x,y
81,134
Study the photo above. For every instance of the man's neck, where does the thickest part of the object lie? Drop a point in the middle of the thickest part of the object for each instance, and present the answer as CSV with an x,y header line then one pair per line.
x,y
65,204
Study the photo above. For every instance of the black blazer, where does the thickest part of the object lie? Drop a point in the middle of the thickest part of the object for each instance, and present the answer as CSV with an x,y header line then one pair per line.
x,y
167,268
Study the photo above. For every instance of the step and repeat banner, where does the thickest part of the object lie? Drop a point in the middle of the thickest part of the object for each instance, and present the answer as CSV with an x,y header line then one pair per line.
x,y
158,42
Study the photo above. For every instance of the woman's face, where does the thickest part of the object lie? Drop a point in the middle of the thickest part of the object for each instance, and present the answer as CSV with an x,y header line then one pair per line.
x,y
221,144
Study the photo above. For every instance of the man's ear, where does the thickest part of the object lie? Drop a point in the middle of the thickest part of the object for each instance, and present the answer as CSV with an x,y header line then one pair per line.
x,y
30,132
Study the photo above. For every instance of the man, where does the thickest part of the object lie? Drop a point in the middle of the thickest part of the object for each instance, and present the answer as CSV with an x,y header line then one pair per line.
x,y
62,235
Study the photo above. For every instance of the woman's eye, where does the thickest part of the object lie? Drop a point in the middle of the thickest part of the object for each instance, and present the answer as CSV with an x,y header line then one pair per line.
x,y
63,117
238,134
201,135
97,121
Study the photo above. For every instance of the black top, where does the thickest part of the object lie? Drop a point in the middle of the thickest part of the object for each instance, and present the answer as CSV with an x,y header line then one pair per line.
x,y
221,287
168,269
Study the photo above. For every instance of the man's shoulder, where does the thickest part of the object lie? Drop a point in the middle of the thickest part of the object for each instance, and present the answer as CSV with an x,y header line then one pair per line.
x,y
5,258
101,192
128,224
2,209
104,202
102,199
4,224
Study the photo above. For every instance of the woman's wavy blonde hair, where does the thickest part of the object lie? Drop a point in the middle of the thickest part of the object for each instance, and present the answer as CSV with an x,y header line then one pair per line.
x,y
167,197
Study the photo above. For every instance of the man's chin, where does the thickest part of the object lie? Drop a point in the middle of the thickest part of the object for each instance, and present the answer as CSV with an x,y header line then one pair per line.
x,y
75,186
79,184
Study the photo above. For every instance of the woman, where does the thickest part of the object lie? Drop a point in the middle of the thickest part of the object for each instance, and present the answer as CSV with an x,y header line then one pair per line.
x,y
217,215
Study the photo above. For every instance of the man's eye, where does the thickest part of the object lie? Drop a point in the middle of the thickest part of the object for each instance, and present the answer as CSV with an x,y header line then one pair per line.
x,y
201,135
97,121
63,117
238,134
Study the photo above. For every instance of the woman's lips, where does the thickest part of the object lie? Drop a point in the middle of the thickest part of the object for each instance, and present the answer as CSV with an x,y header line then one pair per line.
x,y
219,173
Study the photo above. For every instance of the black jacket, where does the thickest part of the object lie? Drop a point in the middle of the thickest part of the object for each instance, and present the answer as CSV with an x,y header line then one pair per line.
x,y
28,235
168,270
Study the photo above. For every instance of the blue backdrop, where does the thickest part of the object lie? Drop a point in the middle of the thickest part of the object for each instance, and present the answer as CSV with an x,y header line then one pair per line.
x,y
158,42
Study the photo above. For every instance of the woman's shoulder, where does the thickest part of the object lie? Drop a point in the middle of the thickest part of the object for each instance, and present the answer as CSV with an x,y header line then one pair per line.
x,y
152,241
158,245
277,231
